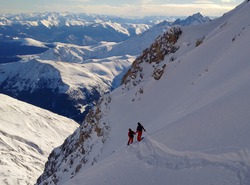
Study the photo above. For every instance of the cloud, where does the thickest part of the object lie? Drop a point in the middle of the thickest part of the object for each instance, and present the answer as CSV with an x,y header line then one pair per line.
x,y
203,2
206,8
227,1
80,1
140,8
145,2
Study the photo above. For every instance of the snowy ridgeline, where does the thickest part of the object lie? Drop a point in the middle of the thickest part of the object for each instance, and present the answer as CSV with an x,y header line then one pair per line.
x,y
27,136
196,114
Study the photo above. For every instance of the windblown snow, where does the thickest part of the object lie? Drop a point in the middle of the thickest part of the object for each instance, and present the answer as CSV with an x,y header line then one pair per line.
x,y
196,116
27,136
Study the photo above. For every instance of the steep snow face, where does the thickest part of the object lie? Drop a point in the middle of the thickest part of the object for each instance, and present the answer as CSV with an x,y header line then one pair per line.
x,y
196,113
27,136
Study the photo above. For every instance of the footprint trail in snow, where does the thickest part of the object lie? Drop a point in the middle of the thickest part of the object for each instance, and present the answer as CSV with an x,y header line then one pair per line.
x,y
229,172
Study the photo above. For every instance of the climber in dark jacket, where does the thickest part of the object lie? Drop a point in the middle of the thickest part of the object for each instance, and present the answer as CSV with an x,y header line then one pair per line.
x,y
131,134
139,130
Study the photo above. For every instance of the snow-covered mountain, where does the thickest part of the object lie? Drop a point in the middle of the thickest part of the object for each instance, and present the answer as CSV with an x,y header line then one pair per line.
x,y
67,78
68,89
192,20
190,89
135,45
80,29
132,46
71,28
27,136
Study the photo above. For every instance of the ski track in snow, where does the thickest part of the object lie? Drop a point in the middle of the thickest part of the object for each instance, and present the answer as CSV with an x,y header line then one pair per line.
x,y
153,153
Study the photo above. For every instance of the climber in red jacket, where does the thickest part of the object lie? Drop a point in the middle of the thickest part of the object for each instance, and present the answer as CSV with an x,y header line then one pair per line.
x,y
131,134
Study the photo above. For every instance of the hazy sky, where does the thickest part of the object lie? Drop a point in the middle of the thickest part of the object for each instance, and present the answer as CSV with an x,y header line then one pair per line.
x,y
119,7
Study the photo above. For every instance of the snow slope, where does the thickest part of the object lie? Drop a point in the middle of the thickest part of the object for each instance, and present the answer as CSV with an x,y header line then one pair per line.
x,y
196,114
194,104
27,136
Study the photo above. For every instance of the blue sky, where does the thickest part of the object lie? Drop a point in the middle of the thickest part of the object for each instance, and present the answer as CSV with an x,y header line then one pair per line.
x,y
119,7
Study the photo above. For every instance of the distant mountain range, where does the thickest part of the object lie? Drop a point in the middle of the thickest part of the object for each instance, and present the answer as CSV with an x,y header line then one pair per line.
x,y
81,29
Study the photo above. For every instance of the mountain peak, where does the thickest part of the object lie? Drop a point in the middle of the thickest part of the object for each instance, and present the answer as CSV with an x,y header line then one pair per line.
x,y
198,14
194,19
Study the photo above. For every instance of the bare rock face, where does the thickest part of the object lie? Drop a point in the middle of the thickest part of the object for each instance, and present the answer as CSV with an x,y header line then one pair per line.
x,y
164,45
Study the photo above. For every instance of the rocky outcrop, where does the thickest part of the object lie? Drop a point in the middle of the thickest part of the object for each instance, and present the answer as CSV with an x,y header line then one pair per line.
x,y
154,55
